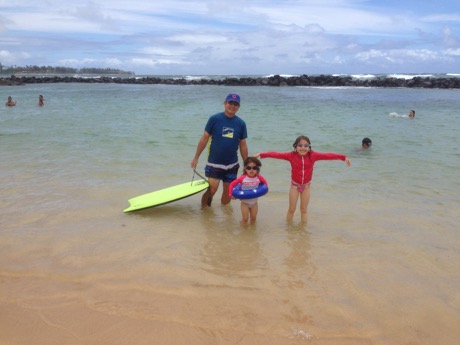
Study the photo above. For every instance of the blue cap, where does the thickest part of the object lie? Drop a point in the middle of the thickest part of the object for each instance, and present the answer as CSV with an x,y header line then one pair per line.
x,y
233,97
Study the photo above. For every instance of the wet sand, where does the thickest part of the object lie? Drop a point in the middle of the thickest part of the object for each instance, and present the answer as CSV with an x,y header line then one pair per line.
x,y
157,277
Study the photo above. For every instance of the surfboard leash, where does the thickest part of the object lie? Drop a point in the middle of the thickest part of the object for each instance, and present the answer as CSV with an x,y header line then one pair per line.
x,y
196,172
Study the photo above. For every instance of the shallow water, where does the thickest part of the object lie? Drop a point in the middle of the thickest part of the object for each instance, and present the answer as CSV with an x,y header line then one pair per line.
x,y
378,262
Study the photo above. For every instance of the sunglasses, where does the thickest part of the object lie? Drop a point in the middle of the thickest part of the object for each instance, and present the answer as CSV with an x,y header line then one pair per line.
x,y
247,167
234,103
303,145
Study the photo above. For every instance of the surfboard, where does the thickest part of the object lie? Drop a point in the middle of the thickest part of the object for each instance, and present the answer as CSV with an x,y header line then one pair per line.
x,y
167,195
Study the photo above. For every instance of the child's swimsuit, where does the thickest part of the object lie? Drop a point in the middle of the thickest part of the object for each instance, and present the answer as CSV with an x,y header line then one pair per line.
x,y
300,187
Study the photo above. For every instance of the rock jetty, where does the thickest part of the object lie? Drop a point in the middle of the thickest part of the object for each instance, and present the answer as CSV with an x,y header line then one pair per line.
x,y
275,80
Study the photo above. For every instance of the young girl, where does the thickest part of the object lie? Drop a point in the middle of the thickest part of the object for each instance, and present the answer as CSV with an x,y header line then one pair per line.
x,y
302,160
249,180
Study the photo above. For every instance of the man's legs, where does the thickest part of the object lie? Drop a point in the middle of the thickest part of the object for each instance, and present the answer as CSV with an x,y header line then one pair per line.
x,y
206,199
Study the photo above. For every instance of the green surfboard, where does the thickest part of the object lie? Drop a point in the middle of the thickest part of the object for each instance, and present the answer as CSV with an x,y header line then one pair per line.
x,y
167,195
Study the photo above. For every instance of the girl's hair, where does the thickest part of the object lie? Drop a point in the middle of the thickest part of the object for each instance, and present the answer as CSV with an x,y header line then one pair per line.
x,y
299,138
253,160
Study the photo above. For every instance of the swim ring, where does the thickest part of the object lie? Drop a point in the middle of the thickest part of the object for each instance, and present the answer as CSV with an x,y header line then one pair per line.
x,y
238,193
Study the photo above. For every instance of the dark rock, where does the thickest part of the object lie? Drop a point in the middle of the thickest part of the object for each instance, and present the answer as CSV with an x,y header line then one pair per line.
x,y
275,80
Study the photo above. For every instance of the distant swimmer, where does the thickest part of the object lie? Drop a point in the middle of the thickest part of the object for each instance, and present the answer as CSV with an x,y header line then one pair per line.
x,y
366,143
41,101
10,102
411,114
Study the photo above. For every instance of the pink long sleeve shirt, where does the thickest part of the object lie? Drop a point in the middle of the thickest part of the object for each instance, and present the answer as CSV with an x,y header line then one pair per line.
x,y
302,166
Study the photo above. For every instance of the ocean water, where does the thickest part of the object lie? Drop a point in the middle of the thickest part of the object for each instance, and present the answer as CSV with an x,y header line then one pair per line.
x,y
378,262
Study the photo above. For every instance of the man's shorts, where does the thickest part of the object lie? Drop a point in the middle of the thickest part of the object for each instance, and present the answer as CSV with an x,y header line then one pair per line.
x,y
222,174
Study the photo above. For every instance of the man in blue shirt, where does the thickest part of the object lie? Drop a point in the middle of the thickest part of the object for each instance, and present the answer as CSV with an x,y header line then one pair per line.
x,y
225,133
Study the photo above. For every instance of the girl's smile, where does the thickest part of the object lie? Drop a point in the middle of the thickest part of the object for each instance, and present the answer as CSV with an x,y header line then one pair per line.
x,y
302,148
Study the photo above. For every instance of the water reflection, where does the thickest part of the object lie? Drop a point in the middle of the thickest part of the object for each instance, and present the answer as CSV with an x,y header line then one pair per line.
x,y
297,280
300,267
230,249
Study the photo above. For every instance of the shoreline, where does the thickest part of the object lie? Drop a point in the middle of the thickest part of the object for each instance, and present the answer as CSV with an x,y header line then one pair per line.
x,y
275,80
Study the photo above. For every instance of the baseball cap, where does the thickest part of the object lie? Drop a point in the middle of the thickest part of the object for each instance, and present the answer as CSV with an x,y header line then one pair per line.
x,y
233,97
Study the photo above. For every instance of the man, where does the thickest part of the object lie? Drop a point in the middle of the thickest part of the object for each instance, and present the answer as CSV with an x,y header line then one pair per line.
x,y
10,102
225,133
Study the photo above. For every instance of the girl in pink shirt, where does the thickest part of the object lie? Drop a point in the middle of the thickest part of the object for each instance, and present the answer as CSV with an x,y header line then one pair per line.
x,y
249,180
302,160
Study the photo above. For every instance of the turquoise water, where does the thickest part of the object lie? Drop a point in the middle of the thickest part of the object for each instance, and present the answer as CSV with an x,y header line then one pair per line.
x,y
378,261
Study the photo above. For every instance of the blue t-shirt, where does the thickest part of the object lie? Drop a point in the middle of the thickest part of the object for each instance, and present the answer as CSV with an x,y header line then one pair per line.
x,y
226,134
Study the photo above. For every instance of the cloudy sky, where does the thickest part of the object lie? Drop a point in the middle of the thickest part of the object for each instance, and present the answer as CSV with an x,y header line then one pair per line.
x,y
234,37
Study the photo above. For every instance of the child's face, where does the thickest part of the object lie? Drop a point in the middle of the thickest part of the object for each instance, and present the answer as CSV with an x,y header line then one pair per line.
x,y
302,147
251,169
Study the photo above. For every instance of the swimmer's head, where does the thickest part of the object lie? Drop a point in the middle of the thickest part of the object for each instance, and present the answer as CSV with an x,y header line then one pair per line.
x,y
367,142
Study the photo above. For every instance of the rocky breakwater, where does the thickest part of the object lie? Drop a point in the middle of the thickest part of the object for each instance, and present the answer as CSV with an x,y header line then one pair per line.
x,y
276,80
